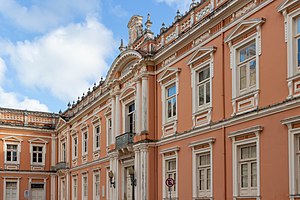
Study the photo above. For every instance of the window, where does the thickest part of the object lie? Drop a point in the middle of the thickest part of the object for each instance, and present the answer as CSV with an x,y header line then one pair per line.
x,y
37,191
84,142
247,169
63,152
97,137
171,173
75,148
37,155
11,190
203,87
297,42
130,118
246,67
12,153
75,187
171,104
203,174
96,186
294,155
245,158
109,131
202,168
84,187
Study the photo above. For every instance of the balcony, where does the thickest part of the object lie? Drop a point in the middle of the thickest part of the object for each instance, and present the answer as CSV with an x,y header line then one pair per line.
x,y
61,165
124,140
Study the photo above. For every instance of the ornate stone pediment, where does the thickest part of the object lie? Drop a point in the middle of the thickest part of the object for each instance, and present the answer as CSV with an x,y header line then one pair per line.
x,y
243,28
287,4
201,53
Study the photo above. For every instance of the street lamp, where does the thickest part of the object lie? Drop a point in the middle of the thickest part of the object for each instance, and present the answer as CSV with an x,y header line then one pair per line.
x,y
111,176
133,180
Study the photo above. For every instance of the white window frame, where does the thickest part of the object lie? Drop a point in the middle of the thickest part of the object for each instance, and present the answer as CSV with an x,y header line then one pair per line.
x,y
18,151
197,84
294,170
82,187
235,79
74,147
74,191
236,146
165,159
96,173
10,140
63,151
95,134
173,75
293,69
85,144
195,154
11,179
109,131
43,154
125,107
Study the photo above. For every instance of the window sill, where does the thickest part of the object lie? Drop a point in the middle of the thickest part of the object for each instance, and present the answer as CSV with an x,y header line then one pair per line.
x,y
202,116
169,128
245,102
246,94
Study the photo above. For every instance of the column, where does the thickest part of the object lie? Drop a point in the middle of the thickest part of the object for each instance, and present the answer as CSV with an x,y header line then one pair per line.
x,y
53,150
144,103
113,110
117,117
144,173
68,186
53,187
137,170
114,167
138,107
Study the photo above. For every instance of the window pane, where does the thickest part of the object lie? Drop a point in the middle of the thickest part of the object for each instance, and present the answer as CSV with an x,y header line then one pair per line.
x,y
244,175
169,108
208,179
201,95
244,153
14,156
204,74
171,91
253,151
298,52
298,25
253,175
207,92
247,52
242,77
174,106
201,177
252,73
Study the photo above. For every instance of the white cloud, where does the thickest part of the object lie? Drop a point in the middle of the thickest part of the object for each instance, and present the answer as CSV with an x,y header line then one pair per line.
x,y
42,15
2,71
64,61
11,100
182,5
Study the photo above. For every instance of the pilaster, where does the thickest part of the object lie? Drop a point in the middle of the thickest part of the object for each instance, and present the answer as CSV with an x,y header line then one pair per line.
x,y
144,104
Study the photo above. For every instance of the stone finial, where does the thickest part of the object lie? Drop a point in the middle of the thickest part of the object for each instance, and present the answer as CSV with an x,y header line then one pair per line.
x,y
193,4
163,28
69,105
148,23
178,16
78,100
122,47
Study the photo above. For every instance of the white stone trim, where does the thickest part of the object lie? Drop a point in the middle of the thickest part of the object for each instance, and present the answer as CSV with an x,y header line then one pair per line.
x,y
11,179
292,132
195,153
164,160
236,144
169,150
96,172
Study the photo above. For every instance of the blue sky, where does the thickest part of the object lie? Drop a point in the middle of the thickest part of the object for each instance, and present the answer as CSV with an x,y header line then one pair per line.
x,y
52,51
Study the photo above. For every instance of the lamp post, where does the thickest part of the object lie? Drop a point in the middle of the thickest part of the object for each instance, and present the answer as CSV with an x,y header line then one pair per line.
x,y
133,180
111,176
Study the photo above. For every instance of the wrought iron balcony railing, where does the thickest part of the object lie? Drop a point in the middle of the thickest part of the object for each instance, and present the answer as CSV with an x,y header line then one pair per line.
x,y
122,141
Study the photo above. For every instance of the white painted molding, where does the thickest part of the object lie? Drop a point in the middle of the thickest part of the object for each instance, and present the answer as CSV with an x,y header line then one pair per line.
x,y
169,150
253,129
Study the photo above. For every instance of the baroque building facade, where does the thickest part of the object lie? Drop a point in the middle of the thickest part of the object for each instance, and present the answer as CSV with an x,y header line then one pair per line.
x,y
210,104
